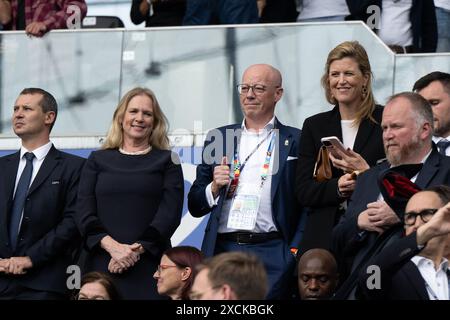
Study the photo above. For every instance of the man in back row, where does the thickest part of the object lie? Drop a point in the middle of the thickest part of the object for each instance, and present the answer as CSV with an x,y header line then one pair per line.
x,y
38,190
435,87
37,17
414,267
230,276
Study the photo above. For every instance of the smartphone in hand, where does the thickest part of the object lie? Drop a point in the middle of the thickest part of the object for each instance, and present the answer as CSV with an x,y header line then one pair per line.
x,y
333,143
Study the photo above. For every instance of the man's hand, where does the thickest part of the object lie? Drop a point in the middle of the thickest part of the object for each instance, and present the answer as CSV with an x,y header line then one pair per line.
x,y
438,225
221,177
377,216
365,224
37,29
381,215
16,265
346,185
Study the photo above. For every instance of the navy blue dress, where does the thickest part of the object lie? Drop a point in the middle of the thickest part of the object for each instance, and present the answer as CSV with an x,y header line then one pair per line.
x,y
132,198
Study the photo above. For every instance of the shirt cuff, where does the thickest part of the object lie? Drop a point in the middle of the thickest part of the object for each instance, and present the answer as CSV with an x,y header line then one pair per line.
x,y
209,196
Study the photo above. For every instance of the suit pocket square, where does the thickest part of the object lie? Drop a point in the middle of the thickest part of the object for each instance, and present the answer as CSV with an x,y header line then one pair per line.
x,y
291,158
55,182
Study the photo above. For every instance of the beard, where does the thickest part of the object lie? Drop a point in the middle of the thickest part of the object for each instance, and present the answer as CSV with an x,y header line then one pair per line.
x,y
441,129
406,152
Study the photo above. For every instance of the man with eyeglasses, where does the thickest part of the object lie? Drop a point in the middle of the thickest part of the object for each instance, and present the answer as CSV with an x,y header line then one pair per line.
x,y
414,267
246,180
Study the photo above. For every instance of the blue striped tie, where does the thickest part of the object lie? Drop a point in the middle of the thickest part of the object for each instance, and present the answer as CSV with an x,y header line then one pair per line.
x,y
19,200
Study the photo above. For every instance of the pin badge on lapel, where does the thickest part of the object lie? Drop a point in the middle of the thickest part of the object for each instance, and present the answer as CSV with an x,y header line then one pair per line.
x,y
286,142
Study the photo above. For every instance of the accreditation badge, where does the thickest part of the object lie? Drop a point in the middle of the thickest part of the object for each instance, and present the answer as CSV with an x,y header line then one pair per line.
x,y
244,208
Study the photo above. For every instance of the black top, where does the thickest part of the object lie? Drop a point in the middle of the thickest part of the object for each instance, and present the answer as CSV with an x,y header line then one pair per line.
x,y
20,20
48,233
165,13
132,199
322,197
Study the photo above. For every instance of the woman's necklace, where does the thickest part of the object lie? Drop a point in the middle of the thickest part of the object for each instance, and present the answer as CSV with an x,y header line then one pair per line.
x,y
136,153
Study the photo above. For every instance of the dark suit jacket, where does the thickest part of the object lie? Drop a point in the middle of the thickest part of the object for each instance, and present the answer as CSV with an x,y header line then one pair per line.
x,y
322,197
400,277
285,208
422,16
48,234
279,11
435,171
165,13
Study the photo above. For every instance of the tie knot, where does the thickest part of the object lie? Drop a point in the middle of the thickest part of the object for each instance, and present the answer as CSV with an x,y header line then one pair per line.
x,y
444,143
29,156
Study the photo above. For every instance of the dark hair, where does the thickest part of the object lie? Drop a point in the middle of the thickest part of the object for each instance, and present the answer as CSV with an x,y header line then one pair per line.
x,y
442,191
47,103
183,257
105,280
442,77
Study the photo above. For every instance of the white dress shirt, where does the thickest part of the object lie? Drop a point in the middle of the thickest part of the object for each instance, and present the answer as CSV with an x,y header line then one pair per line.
x,y
251,174
436,281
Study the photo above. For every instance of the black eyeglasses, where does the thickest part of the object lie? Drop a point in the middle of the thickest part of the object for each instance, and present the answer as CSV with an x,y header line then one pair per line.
x,y
425,215
257,88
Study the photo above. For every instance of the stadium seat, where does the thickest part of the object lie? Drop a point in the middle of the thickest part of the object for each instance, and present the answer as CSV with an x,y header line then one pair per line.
x,y
96,22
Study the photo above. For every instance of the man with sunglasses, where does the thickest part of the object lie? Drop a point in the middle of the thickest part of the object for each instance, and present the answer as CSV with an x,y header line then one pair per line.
x,y
414,267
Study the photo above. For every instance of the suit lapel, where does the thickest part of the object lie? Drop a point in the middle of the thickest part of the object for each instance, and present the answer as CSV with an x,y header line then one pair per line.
x,y
364,133
230,153
284,144
9,173
416,280
50,162
333,126
429,169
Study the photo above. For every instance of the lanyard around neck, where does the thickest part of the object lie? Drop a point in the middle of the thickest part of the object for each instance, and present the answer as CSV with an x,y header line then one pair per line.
x,y
238,166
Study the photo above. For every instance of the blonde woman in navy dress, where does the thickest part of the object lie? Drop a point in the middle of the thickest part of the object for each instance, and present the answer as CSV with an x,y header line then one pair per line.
x,y
131,197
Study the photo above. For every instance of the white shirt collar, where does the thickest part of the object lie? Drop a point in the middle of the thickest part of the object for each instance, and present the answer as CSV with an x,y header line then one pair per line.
x,y
427,155
39,153
419,260
436,139
270,125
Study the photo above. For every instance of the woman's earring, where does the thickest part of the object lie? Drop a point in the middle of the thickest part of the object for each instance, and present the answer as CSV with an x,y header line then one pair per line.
x,y
364,91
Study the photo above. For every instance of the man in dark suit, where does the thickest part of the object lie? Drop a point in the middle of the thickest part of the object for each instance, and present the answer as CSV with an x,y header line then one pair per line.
x,y
413,30
414,268
435,87
407,125
38,188
255,209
